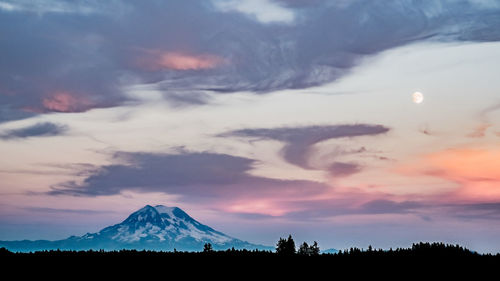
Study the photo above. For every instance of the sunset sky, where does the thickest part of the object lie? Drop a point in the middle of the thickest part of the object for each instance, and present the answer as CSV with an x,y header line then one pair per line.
x,y
259,118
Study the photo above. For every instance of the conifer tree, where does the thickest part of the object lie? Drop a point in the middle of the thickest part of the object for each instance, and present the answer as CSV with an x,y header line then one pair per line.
x,y
207,248
285,247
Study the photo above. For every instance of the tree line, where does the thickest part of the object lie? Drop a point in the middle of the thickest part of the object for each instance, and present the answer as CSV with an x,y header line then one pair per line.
x,y
285,247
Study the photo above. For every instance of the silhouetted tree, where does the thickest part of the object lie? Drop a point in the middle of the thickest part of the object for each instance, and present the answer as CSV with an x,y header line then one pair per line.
x,y
307,250
303,249
314,249
286,247
207,248
4,252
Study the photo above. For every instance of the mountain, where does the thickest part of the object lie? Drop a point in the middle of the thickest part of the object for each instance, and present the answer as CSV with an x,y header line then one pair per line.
x,y
150,228
330,251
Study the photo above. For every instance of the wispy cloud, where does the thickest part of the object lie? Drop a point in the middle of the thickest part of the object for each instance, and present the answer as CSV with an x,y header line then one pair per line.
x,y
480,130
265,11
65,211
299,141
387,207
56,6
484,121
46,129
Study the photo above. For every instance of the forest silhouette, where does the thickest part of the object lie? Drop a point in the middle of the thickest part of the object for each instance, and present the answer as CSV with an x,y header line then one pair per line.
x,y
421,261
428,256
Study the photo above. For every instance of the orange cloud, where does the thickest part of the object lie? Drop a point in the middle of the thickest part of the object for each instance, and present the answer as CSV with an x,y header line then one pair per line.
x,y
66,102
179,61
476,170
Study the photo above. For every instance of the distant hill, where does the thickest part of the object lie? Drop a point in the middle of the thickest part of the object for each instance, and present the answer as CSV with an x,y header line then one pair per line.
x,y
157,228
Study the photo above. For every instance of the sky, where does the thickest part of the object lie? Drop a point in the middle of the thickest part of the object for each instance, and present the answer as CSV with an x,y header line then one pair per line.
x,y
260,118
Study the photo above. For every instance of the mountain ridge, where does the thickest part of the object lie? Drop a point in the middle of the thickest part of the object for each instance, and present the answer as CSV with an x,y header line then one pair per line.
x,y
158,228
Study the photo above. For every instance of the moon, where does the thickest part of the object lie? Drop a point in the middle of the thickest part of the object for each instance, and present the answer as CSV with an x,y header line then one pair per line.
x,y
417,97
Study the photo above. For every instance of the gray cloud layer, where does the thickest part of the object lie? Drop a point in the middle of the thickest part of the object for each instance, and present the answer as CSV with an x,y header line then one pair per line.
x,y
320,209
91,48
196,175
489,210
300,140
46,129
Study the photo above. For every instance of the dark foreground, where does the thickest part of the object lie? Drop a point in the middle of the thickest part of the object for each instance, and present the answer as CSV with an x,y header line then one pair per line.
x,y
422,260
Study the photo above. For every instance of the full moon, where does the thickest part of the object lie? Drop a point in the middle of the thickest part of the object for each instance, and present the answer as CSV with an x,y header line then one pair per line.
x,y
417,97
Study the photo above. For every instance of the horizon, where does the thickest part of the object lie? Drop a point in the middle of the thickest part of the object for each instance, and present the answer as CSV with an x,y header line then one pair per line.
x,y
351,123
297,244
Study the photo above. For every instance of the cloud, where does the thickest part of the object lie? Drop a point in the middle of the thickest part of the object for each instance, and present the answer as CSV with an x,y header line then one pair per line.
x,y
388,207
480,130
340,169
52,6
349,205
265,11
7,6
92,47
65,211
300,140
475,170
371,204
180,61
197,176
481,210
72,169
46,129
224,183
472,171
66,102
305,3
485,123
489,110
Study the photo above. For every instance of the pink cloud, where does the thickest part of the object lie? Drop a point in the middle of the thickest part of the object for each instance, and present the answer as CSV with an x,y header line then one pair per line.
x,y
157,60
180,61
66,102
474,171
266,206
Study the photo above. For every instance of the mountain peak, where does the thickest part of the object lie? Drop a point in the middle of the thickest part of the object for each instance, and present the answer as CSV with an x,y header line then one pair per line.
x,y
144,215
146,208
162,209
173,212
158,228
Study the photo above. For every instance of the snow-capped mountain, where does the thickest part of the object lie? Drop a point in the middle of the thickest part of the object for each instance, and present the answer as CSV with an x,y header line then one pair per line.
x,y
151,228
330,251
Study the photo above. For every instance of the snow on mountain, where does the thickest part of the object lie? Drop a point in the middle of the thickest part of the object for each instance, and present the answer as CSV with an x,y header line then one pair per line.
x,y
151,228
170,224
330,251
